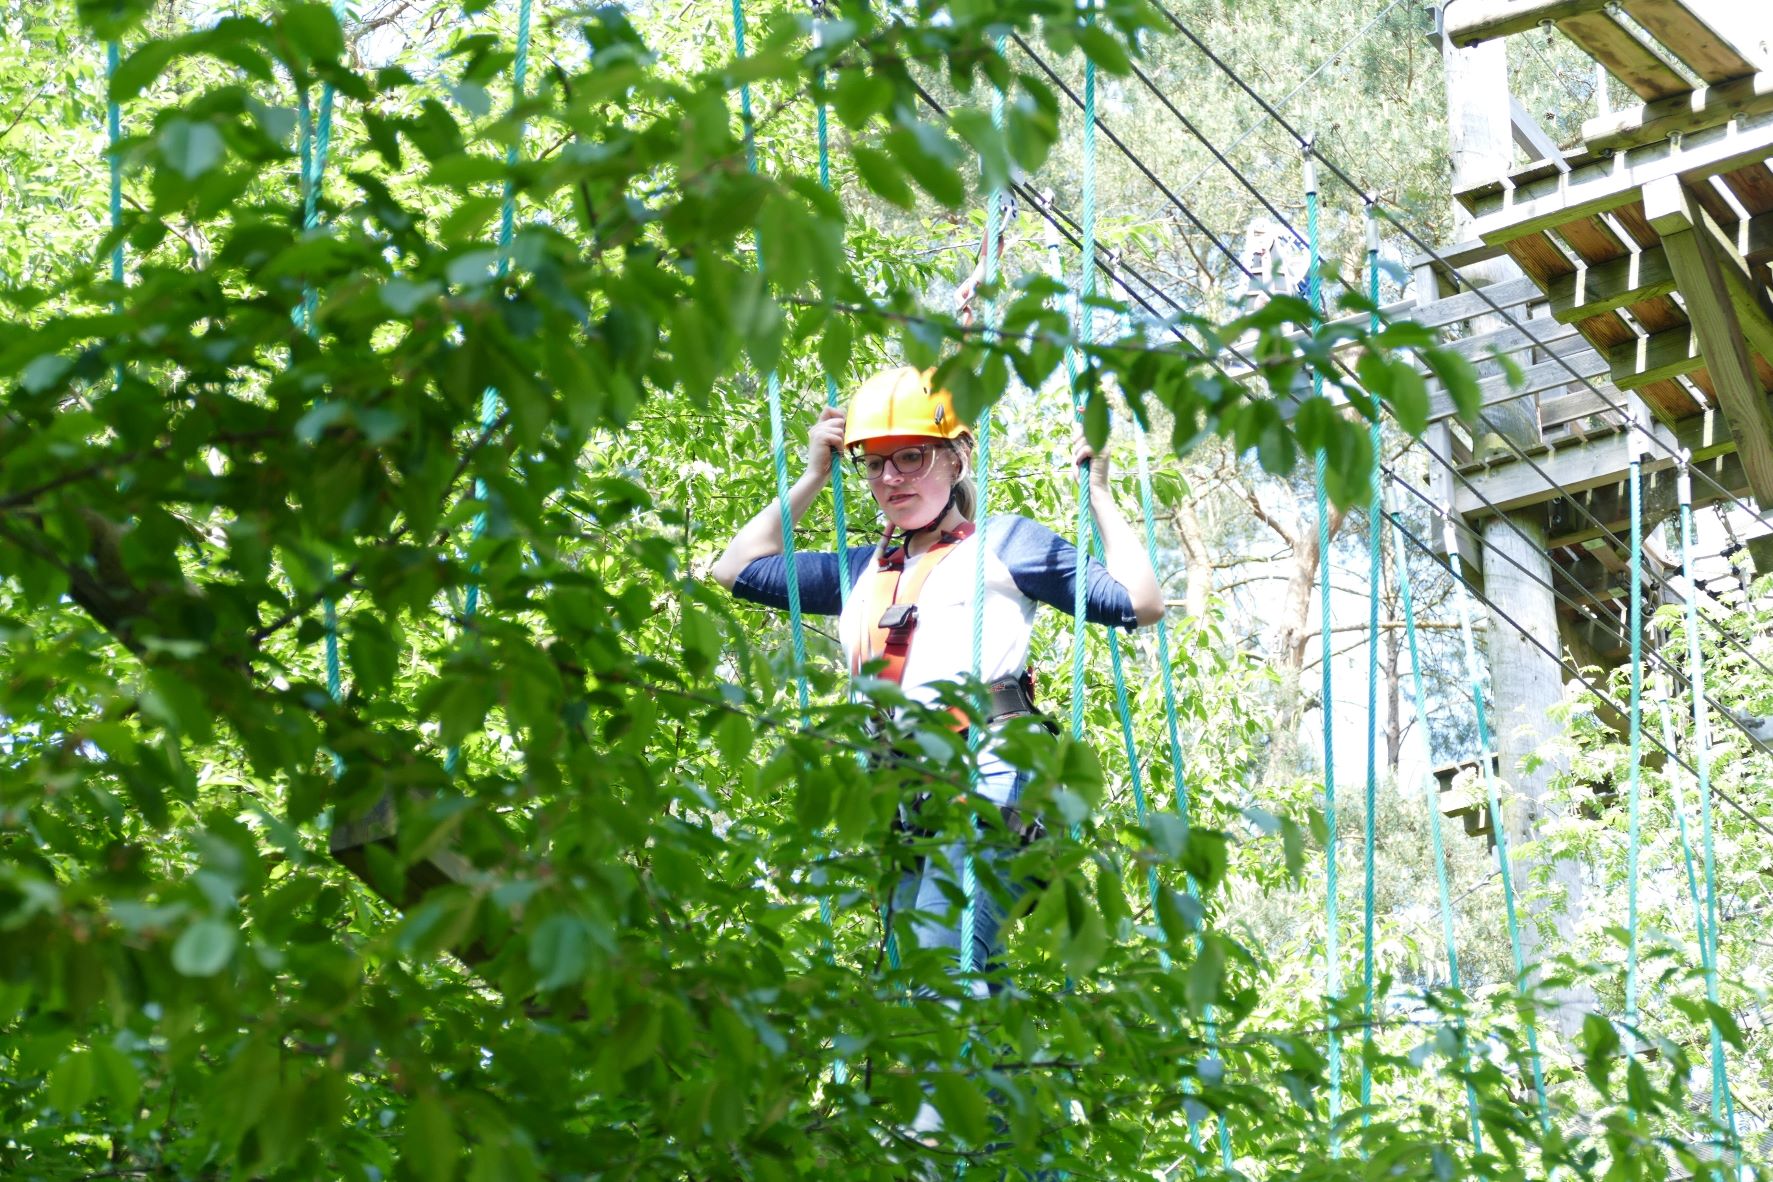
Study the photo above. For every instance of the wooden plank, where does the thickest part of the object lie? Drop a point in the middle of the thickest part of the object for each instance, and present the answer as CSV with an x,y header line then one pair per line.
x,y
1753,186
1537,379
1592,241
1638,63
1657,315
1589,291
1705,48
1539,257
1631,219
1520,209
1670,400
1536,332
1584,404
1469,22
1655,358
1593,464
1707,107
1610,505
1727,305
1634,278
1507,295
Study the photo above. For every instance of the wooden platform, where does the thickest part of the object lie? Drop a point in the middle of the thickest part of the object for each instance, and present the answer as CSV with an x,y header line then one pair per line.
x,y
1653,241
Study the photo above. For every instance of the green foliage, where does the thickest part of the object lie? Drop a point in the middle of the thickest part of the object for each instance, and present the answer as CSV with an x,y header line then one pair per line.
x,y
626,970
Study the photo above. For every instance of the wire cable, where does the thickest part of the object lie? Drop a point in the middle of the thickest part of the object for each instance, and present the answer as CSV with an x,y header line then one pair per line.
x,y
1662,581
1430,252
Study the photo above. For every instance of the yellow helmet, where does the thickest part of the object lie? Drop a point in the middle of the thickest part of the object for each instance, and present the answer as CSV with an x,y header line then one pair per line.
x,y
900,402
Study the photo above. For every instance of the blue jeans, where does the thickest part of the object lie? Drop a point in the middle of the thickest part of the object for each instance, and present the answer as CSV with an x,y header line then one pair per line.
x,y
928,892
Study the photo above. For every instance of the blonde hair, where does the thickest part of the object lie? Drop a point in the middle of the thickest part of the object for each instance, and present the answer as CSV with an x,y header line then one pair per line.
x,y
966,490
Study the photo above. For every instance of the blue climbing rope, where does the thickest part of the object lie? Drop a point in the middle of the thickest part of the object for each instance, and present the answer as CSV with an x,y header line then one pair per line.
x,y
114,133
1498,820
1436,840
839,511
1375,576
1636,442
969,877
1708,935
1332,951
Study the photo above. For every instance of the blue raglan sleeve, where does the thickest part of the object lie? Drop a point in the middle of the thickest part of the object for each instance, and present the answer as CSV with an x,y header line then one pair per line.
x,y
765,580
1044,567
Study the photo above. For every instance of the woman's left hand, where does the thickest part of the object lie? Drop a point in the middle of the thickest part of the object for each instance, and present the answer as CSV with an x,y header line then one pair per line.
x,y
1082,451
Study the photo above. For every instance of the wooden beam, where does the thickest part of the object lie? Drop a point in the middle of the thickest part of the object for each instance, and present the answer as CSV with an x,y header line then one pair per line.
x,y
1537,379
1726,304
1603,287
1703,44
1531,138
1515,210
1594,463
1641,275
1611,504
1626,54
1655,358
1709,106
1468,22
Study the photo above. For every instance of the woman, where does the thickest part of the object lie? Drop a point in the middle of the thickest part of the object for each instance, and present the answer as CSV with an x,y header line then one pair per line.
x,y
912,604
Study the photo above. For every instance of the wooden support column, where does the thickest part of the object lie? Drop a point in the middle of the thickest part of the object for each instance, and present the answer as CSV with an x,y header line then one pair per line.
x,y
1480,120
1728,306
1527,685
1524,681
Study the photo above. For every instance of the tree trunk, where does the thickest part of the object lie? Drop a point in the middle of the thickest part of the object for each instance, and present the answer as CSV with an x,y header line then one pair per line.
x,y
1199,572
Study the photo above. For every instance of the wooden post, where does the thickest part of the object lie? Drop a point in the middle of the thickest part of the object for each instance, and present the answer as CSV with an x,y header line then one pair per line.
x,y
1527,684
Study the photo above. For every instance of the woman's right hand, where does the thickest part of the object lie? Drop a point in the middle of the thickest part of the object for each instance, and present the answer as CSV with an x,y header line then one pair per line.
x,y
823,441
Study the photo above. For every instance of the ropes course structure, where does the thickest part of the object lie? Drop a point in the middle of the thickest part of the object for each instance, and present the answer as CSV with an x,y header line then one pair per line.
x,y
1126,279
1080,300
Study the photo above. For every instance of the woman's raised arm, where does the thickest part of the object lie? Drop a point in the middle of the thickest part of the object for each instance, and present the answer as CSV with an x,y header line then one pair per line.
x,y
761,537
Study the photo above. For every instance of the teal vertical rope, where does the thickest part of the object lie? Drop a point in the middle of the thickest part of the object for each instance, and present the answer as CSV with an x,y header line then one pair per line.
x,y
1086,286
1634,480
1436,840
1375,576
1678,805
316,143
114,133
779,454
839,509
489,397
1332,951
1708,936
1498,821
969,878
773,384
1178,772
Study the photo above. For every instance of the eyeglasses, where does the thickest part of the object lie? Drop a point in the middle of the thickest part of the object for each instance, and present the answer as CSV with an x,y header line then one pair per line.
x,y
906,461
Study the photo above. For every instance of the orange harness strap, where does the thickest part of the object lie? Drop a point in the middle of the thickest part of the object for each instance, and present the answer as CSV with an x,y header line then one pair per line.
x,y
890,635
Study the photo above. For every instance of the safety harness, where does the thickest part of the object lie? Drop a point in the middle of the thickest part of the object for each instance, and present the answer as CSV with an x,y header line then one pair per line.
x,y
894,595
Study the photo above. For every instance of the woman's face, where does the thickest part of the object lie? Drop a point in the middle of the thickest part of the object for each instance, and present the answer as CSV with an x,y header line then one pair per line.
x,y
910,499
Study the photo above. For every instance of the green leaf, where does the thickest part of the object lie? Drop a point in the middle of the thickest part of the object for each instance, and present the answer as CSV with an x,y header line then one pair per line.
x,y
1206,974
72,1083
883,177
560,951
430,1145
962,1105
1103,48
1600,1046
314,31
191,149
204,948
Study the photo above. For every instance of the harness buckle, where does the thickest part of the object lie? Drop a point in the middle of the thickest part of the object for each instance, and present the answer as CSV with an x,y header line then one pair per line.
x,y
900,619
